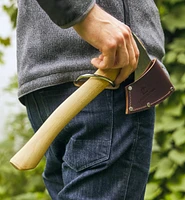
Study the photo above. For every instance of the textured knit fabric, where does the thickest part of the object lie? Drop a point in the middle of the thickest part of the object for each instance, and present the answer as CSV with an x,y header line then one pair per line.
x,y
48,54
66,13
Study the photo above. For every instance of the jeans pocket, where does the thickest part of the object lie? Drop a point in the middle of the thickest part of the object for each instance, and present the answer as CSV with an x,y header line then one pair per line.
x,y
83,154
87,137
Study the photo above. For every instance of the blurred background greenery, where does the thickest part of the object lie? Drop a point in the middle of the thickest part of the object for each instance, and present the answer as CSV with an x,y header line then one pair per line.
x,y
167,177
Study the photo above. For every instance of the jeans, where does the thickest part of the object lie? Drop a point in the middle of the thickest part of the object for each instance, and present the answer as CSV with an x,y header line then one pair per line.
x,y
102,154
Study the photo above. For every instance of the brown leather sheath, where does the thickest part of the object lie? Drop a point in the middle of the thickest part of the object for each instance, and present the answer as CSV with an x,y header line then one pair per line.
x,y
149,90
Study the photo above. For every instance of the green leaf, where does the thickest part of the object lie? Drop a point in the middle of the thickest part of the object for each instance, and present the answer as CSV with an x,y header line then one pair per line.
x,y
152,191
11,10
181,58
177,111
176,19
170,57
173,2
168,123
183,98
177,184
174,196
155,160
164,141
1,57
183,78
156,147
165,169
179,136
177,156
5,41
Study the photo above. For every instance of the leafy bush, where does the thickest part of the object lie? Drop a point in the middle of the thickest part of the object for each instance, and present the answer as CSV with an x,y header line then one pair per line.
x,y
14,184
167,179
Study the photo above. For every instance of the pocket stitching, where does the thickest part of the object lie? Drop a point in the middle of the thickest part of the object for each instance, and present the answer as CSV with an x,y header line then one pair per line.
x,y
67,158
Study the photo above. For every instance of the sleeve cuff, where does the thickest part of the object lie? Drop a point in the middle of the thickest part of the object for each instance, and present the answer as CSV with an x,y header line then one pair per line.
x,y
81,16
66,13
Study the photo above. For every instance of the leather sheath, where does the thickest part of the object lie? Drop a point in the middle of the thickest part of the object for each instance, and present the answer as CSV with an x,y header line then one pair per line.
x,y
150,89
151,85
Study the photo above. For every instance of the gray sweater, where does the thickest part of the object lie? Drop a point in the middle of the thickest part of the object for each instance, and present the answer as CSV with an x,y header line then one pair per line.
x,y
50,52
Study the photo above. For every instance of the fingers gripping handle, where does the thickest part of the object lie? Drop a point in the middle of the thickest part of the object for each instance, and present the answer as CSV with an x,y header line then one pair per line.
x,y
32,152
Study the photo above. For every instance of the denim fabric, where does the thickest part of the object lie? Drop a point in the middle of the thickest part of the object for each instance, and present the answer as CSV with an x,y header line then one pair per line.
x,y
102,154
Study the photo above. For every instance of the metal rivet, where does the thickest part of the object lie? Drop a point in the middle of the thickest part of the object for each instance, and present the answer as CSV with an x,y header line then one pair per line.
x,y
172,89
148,105
130,88
131,108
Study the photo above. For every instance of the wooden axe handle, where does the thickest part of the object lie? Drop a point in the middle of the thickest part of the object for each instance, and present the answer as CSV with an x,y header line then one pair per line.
x,y
32,152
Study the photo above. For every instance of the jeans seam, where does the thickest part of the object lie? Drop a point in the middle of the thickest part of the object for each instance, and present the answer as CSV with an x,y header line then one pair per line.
x,y
30,113
37,107
44,105
49,152
112,121
132,154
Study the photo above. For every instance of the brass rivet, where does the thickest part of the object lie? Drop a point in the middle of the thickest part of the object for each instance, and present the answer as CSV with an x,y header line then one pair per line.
x,y
131,108
172,89
148,105
129,88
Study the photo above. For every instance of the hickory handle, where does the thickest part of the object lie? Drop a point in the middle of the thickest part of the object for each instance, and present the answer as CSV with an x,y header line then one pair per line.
x,y
32,152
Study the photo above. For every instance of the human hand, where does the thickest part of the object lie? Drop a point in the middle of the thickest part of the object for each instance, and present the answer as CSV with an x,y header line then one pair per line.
x,y
113,39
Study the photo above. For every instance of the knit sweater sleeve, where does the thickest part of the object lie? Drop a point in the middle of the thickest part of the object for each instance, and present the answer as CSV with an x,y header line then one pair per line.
x,y
66,13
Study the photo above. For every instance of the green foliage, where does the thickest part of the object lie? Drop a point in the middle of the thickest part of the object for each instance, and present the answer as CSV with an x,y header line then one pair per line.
x,y
14,184
11,10
167,179
3,42
1,58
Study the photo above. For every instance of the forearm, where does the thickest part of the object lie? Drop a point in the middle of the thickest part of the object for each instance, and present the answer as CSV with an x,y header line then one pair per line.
x,y
110,36
67,13
113,39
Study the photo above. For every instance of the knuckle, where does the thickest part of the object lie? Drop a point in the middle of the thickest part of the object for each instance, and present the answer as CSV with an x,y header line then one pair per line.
x,y
137,54
120,37
111,44
136,58
128,29
126,35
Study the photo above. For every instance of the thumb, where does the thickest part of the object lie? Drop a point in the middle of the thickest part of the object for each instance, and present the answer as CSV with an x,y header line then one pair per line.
x,y
97,61
104,61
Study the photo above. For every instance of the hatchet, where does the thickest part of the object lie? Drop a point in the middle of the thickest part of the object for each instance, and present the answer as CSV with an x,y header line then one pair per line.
x,y
147,90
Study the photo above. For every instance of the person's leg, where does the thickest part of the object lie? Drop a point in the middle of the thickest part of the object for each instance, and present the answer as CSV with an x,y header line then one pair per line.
x,y
40,104
102,153
125,141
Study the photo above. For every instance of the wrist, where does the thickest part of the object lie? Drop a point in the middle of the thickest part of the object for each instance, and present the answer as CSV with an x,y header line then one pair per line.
x,y
79,27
